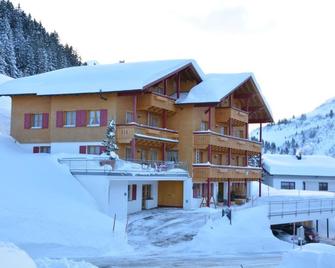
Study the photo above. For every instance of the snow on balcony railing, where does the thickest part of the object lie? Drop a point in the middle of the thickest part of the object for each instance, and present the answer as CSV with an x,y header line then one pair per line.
x,y
105,166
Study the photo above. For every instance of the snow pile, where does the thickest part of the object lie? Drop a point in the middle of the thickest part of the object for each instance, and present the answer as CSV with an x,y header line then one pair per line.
x,y
13,257
311,256
249,233
309,165
46,211
62,263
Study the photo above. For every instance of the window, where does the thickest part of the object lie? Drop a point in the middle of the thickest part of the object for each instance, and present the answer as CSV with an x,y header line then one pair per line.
x,y
132,189
37,120
287,185
198,156
94,118
172,156
153,155
203,125
222,130
129,117
143,155
128,153
93,149
153,120
323,186
196,190
41,149
70,119
146,192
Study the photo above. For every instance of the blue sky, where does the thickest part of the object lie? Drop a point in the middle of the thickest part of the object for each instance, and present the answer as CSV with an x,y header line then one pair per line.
x,y
289,45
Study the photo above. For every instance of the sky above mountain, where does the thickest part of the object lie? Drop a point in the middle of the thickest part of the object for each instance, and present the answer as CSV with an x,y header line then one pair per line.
x,y
287,44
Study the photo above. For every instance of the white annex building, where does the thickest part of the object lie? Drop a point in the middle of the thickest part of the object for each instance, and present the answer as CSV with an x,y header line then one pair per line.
x,y
308,172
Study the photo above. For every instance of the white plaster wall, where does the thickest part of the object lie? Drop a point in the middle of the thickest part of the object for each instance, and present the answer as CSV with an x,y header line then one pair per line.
x,y
188,193
118,199
136,205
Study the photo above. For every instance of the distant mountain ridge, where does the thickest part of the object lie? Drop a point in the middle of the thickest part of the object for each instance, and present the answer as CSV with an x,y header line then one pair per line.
x,y
26,48
312,133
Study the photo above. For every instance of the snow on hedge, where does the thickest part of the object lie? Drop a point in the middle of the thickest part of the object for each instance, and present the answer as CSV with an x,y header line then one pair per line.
x,y
46,211
13,257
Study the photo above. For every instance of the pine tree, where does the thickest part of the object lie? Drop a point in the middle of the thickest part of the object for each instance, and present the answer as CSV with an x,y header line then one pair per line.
x,y
110,142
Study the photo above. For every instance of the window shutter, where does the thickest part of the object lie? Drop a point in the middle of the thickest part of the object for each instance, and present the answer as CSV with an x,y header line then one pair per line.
x,y
82,149
102,149
80,118
103,117
134,191
27,121
59,119
45,120
36,149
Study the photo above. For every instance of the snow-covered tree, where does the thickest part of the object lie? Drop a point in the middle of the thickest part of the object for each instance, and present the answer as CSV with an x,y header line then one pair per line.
x,y
109,143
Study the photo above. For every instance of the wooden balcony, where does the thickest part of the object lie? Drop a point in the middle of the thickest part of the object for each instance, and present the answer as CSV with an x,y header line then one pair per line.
x,y
223,114
201,140
155,103
126,132
202,172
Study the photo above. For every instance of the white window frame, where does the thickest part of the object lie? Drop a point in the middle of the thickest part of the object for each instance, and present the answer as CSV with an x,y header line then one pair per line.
x,y
72,116
37,121
93,149
94,118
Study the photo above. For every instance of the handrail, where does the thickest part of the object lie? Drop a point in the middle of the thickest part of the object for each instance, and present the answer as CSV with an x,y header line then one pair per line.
x,y
147,126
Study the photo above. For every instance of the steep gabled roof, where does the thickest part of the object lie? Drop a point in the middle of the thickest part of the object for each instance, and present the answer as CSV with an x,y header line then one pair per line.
x,y
91,79
215,87
309,165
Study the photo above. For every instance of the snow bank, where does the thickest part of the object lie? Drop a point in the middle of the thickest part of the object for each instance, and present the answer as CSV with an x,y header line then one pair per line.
x,y
13,257
45,210
62,263
249,233
311,256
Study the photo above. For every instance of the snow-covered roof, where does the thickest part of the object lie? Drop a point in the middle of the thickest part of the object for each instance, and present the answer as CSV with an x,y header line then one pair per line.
x,y
214,88
309,165
4,78
91,79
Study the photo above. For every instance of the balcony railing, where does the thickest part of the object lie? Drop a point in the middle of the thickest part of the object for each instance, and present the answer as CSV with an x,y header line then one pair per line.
x,y
223,114
202,139
126,132
221,172
156,103
104,166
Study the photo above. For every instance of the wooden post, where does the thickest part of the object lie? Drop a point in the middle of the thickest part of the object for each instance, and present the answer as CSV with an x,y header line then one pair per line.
x,y
246,158
229,156
229,193
209,118
246,187
260,132
164,117
163,151
327,228
208,192
165,86
260,187
135,108
178,85
317,226
133,149
230,122
246,131
209,153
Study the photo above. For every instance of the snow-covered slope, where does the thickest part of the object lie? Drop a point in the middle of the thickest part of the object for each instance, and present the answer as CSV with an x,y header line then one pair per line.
x,y
313,132
5,106
45,210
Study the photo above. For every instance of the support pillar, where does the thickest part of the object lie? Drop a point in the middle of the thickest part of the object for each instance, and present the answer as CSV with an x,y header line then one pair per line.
x,y
229,156
163,151
229,193
260,132
230,127
135,108
327,228
209,118
246,187
133,149
164,119
317,226
260,187
209,153
178,85
208,192
246,158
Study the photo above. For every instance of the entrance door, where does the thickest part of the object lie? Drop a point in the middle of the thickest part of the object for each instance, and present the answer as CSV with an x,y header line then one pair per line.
x,y
146,194
170,193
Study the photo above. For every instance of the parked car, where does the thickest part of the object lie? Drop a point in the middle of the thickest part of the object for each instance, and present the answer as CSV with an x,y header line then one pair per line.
x,y
282,235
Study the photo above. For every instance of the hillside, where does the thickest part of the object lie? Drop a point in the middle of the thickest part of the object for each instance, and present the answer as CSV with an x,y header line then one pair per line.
x,y
313,133
26,48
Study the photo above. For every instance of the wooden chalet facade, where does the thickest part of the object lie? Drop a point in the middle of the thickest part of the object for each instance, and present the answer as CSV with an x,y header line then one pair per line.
x,y
161,119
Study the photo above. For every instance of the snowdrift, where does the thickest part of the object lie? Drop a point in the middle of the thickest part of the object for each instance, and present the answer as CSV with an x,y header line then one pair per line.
x,y
45,211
